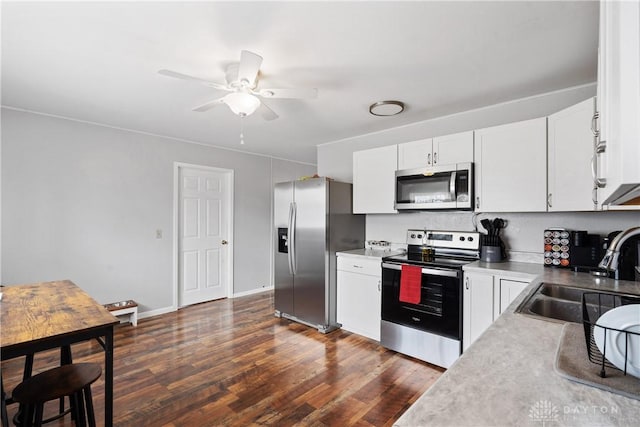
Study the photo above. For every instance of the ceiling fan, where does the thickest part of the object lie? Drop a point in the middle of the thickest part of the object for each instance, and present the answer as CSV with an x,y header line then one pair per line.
x,y
242,83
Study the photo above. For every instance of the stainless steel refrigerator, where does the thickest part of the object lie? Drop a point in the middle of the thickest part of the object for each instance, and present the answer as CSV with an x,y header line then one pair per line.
x,y
313,221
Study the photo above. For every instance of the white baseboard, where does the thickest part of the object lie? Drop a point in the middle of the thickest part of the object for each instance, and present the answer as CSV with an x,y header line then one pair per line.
x,y
156,312
150,313
252,291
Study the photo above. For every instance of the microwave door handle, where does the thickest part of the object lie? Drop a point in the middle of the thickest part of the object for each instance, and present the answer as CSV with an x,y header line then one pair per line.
x,y
452,186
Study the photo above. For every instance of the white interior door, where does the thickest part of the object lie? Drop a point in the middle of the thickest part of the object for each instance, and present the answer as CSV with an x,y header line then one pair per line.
x,y
204,234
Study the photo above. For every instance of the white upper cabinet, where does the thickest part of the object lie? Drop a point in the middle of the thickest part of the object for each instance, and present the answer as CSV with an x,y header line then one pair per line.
x,y
415,154
374,177
441,150
619,102
455,148
510,167
571,145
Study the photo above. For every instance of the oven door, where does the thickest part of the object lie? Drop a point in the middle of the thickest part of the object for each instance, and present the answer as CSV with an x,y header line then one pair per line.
x,y
440,308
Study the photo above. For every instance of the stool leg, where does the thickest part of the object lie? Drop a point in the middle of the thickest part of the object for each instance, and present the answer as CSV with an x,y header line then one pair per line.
x,y
3,404
28,367
26,374
73,404
89,400
27,416
65,359
81,420
39,412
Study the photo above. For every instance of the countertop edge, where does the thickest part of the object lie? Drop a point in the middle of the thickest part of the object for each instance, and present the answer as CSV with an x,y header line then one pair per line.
x,y
368,253
488,386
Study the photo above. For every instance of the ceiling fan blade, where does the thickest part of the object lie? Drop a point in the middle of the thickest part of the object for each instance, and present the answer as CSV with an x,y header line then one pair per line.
x,y
288,93
181,76
266,112
249,67
209,105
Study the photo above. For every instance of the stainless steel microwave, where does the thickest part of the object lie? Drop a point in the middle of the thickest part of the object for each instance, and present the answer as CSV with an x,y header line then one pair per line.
x,y
438,187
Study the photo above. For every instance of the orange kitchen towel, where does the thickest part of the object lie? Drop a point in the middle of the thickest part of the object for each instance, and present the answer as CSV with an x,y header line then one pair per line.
x,y
410,280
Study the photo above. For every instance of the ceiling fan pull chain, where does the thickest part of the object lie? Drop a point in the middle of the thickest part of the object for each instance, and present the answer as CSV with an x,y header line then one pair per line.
x,y
241,133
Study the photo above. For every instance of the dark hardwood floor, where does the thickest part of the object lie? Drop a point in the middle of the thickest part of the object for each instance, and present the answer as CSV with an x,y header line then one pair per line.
x,y
231,362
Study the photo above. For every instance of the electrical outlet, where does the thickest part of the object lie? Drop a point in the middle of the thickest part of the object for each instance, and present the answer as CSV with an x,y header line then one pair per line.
x,y
158,234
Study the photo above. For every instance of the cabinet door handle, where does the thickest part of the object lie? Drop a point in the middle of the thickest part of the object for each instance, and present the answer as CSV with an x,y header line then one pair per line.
x,y
435,157
466,283
599,149
357,266
379,285
549,200
594,124
478,202
429,158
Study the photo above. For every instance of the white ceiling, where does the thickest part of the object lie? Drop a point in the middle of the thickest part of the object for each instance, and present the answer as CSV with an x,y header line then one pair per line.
x,y
98,62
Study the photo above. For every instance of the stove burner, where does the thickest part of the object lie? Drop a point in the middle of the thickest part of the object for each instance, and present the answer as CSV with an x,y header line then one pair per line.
x,y
431,261
444,249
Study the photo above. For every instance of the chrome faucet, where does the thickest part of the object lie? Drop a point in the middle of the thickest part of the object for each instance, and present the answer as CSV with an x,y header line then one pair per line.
x,y
610,259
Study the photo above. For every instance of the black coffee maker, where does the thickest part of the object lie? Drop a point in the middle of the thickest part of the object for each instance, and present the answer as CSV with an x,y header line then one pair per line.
x,y
629,257
586,250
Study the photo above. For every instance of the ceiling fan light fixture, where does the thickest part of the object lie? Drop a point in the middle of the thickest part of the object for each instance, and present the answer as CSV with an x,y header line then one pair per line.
x,y
241,103
386,108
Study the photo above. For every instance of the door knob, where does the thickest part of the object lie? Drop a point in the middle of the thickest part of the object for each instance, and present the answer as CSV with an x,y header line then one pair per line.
x,y
224,242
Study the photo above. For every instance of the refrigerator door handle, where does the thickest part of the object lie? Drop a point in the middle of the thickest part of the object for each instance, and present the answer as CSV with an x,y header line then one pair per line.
x,y
294,225
292,238
289,238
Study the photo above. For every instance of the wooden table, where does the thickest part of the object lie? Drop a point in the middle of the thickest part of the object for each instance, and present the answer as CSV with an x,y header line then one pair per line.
x,y
47,315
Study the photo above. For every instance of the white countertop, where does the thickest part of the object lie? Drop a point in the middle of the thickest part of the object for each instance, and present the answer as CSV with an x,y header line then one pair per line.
x,y
525,270
375,254
508,373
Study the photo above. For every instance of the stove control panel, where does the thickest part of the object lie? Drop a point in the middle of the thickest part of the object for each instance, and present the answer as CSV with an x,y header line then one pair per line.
x,y
444,239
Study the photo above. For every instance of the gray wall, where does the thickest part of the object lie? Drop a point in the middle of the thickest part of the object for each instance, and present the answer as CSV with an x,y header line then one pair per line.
x,y
523,234
335,158
83,202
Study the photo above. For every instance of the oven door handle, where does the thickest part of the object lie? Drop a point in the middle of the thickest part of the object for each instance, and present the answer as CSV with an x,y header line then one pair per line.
x,y
431,271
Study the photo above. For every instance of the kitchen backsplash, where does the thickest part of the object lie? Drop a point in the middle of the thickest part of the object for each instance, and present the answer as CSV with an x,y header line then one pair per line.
x,y
521,236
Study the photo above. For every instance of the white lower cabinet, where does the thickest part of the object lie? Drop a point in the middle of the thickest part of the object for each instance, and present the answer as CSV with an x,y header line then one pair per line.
x,y
478,311
358,295
485,297
509,290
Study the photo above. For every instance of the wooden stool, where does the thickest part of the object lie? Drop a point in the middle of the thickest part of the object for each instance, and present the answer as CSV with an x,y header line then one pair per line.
x,y
69,380
65,359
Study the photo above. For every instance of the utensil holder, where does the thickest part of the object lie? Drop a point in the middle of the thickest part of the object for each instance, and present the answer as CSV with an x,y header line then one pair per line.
x,y
491,254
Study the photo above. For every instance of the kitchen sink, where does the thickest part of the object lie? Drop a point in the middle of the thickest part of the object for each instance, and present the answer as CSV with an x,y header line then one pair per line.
x,y
567,311
555,302
560,303
561,292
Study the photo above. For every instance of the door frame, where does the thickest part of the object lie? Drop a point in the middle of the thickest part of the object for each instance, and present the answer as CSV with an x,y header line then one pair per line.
x,y
177,166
